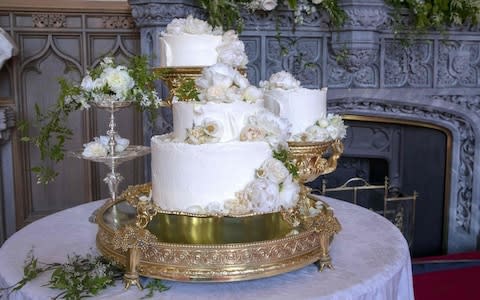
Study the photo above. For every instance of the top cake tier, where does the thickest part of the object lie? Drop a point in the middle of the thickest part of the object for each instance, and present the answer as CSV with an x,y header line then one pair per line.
x,y
192,42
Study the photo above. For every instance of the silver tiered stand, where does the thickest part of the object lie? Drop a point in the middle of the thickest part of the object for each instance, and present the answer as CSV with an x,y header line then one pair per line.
x,y
114,158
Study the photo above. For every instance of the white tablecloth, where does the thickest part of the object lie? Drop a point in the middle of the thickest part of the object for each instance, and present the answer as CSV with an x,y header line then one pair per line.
x,y
370,256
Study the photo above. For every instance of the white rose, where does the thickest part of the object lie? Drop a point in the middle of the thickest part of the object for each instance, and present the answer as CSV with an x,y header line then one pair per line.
x,y
252,94
268,5
212,128
317,1
251,133
94,149
87,83
219,68
289,193
283,80
275,170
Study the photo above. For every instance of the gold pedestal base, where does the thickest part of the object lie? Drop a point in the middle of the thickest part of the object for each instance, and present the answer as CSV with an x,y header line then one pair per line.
x,y
216,249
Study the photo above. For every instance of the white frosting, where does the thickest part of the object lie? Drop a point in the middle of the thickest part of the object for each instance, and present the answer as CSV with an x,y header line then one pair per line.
x,y
189,50
191,178
232,117
301,106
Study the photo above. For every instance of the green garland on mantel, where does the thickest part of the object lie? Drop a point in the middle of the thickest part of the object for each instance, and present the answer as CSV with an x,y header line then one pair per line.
x,y
424,14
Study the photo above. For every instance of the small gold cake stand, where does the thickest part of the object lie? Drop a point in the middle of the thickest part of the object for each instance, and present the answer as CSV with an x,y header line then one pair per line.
x,y
157,244
175,78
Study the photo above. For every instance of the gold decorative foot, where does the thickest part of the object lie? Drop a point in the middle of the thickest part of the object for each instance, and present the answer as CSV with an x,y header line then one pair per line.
x,y
131,276
131,279
324,262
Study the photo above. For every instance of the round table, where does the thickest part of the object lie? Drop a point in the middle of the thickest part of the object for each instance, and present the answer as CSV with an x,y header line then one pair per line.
x,y
370,256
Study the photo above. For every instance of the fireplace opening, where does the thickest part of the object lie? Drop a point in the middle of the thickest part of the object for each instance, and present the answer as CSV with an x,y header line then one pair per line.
x,y
415,158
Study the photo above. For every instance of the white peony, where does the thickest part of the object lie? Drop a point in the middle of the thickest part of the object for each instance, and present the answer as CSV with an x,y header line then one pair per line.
x,y
323,123
268,5
119,81
262,194
336,132
232,50
197,26
94,149
241,81
317,1
87,83
221,80
289,192
275,170
318,133
252,94
121,143
281,80
189,25
215,94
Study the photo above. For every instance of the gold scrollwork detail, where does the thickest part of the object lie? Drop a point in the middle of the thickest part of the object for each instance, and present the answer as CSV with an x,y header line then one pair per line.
x,y
309,158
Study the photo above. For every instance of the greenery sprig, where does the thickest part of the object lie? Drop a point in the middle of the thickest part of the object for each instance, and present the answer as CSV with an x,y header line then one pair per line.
x,y
80,277
282,155
436,14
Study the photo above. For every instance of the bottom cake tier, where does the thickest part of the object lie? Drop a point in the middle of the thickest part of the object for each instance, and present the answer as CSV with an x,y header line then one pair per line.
x,y
219,249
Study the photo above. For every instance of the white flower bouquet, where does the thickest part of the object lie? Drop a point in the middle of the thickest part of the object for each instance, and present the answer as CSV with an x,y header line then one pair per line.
x,y
325,129
107,82
223,83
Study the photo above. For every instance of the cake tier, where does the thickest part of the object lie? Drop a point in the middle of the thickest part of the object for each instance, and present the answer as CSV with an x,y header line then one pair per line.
x,y
301,106
199,178
189,50
232,117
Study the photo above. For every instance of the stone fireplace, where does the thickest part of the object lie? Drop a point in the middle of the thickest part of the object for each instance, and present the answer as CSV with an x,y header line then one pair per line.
x,y
433,79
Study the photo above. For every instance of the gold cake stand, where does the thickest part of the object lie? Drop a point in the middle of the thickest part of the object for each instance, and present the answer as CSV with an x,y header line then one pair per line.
x,y
137,234
176,79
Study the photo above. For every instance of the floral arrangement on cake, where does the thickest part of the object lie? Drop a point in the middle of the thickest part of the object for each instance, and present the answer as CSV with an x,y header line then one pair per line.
x,y
280,80
106,83
223,83
231,51
325,129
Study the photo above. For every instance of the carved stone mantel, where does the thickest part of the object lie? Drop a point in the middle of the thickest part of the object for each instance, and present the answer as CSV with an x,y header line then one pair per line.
x,y
435,79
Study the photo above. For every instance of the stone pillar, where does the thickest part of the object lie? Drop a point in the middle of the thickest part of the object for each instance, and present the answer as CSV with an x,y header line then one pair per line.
x,y
357,42
7,196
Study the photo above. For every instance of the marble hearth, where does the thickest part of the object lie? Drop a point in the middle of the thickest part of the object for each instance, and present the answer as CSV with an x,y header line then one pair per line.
x,y
433,79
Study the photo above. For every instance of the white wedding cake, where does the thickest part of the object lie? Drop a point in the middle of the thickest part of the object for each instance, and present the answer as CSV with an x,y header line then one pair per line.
x,y
305,109
192,42
219,158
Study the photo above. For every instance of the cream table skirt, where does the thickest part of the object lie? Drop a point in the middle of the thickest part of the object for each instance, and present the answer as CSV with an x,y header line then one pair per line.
x,y
370,256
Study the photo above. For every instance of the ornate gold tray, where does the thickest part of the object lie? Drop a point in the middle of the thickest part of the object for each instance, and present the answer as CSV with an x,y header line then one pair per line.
x,y
219,249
